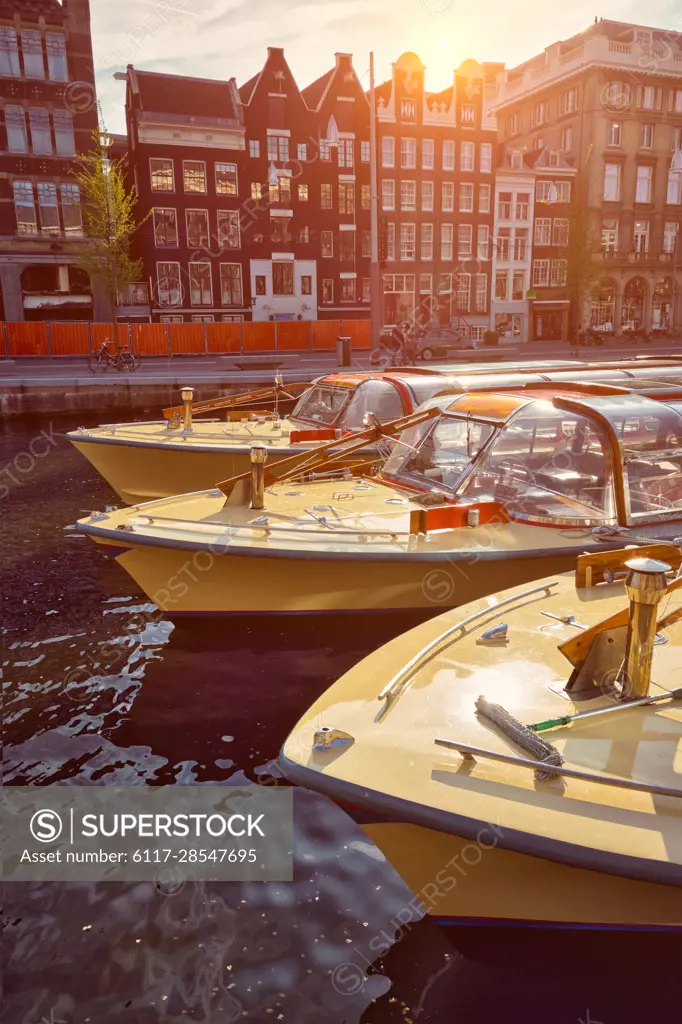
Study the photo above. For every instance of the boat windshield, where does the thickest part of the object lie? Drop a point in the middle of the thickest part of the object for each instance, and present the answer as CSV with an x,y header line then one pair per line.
x,y
437,455
377,396
652,461
547,465
321,404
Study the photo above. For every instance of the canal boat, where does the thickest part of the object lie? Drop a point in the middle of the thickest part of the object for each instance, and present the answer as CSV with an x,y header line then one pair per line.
x,y
480,490
518,760
186,452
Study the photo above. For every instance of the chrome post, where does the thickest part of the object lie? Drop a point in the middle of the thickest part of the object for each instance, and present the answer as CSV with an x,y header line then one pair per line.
x,y
187,396
258,456
645,586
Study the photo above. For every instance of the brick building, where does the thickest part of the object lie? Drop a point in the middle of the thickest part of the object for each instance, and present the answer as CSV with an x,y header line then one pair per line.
x,y
49,113
608,102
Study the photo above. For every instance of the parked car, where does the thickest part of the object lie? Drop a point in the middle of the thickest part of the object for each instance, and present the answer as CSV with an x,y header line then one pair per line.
x,y
439,341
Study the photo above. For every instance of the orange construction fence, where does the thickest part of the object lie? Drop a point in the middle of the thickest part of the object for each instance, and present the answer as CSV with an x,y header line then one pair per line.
x,y
79,338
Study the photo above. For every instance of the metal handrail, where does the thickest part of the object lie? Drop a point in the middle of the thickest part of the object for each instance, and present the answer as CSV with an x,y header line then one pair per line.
x,y
471,753
218,528
396,684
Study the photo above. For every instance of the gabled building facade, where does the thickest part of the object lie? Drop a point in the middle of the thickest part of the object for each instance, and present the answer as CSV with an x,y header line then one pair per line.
x,y
49,113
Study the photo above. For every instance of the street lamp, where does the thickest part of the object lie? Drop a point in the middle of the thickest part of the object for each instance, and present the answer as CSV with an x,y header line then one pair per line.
x,y
376,299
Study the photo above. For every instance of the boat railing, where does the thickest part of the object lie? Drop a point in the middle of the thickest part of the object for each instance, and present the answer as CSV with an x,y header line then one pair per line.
x,y
470,753
233,529
397,684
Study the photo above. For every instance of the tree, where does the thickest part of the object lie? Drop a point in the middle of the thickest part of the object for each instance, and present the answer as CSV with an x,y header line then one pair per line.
x,y
582,269
109,222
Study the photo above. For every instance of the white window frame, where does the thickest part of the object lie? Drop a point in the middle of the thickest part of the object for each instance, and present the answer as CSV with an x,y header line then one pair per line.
x,y
427,196
447,198
240,301
254,148
387,151
541,273
165,209
484,198
447,241
467,156
223,163
481,293
426,249
613,174
408,241
194,192
388,193
233,220
408,153
543,231
197,245
465,241
466,196
428,154
408,195
168,263
486,157
200,263
448,155
644,183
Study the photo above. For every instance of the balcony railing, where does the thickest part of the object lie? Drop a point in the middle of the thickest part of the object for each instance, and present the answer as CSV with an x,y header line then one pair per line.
x,y
609,255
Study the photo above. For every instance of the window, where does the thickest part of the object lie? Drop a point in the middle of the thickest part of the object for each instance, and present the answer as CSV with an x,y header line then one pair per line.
x,y
614,131
25,208
41,138
387,151
486,157
447,234
425,284
408,195
365,197
407,241
326,198
200,289
609,234
346,198
261,286
501,278
513,124
327,243
327,290
427,242
481,293
347,289
162,175
306,284
345,153
388,194
197,228
302,151
304,234
165,226
563,191
539,142
347,246
282,277
281,192
504,244
9,52
465,241
467,156
569,101
677,101
543,231
484,198
644,178
649,97
427,195
256,190
390,242
194,175
226,179
504,206
566,140
466,197
516,159
408,153
611,183
209,319
540,273
463,293
538,114
71,210
448,197
63,133
32,50
169,285
670,234
521,245
558,273
560,231
448,156
522,205
483,241
55,44
518,280
228,229
445,284
48,207
674,193
646,136
641,236
325,150
365,152
303,193
15,122
254,148
366,244
428,154
278,148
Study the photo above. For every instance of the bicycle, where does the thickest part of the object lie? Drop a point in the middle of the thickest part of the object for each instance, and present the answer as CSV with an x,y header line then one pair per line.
x,y
123,359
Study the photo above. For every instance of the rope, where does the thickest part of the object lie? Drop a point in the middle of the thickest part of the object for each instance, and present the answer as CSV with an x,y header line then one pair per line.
x,y
522,736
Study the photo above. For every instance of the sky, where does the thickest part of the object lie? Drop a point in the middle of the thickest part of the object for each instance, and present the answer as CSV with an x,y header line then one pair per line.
x,y
229,38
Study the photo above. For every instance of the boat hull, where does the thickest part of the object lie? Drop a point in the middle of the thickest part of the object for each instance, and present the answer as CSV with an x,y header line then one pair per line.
x,y
185,582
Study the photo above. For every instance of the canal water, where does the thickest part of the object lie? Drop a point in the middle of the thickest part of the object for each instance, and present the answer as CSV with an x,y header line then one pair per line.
x,y
99,689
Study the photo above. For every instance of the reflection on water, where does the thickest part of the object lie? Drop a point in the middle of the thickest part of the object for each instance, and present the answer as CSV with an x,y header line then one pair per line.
x,y
98,689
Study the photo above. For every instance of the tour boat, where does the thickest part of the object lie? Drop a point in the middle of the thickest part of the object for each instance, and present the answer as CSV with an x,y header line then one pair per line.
x,y
480,490
144,461
518,761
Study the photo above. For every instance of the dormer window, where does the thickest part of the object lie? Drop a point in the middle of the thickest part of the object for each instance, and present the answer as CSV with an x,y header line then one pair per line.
x,y
516,159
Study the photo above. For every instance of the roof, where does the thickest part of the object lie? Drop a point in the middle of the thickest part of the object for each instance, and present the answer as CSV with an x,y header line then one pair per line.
x,y
246,90
313,93
493,406
177,94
